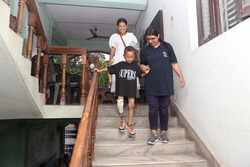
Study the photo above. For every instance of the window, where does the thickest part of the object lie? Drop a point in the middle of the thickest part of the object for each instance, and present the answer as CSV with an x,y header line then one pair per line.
x,y
243,8
217,16
208,20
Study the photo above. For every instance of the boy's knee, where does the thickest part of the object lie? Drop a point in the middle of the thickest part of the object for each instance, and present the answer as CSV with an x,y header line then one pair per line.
x,y
131,105
120,103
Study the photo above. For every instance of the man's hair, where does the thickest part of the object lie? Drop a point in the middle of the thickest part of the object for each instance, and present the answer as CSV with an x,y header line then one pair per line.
x,y
129,49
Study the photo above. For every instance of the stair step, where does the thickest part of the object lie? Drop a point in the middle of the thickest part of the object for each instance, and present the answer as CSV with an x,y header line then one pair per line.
x,y
140,147
174,160
112,122
103,134
110,110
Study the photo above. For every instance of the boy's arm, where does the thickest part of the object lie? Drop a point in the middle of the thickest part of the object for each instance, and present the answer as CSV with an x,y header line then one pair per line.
x,y
100,70
143,74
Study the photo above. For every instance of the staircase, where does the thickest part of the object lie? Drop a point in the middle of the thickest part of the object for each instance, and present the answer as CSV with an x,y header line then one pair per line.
x,y
117,149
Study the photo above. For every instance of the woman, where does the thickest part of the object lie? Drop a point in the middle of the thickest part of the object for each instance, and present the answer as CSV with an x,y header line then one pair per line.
x,y
117,44
160,59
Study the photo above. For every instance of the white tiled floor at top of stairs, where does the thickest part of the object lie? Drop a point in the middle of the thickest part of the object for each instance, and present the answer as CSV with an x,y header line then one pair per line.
x,y
114,148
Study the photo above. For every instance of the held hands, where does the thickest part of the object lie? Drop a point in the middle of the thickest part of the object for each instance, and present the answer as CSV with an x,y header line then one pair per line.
x,y
145,69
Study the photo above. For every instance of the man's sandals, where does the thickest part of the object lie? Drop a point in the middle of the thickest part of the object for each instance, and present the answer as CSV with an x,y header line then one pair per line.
x,y
131,130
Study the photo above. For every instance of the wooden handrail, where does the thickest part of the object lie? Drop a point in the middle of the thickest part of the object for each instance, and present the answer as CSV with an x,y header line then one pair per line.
x,y
35,27
83,150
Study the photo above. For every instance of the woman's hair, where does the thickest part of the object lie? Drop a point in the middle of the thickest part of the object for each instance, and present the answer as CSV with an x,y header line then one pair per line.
x,y
120,20
129,49
152,31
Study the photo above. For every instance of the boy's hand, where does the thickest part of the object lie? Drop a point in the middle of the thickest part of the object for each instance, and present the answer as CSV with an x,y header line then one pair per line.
x,y
146,69
96,70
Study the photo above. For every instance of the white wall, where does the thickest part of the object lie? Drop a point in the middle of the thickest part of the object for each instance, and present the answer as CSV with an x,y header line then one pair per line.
x,y
216,98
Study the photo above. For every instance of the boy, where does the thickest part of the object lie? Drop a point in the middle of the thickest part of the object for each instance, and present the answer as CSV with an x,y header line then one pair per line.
x,y
126,74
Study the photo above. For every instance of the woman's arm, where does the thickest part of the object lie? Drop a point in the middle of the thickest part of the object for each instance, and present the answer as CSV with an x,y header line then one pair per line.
x,y
177,70
112,53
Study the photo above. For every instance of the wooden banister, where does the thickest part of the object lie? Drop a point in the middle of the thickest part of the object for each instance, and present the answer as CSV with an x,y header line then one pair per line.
x,y
65,51
84,145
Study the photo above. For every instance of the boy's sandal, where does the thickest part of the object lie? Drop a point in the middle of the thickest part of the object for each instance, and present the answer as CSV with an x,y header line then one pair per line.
x,y
131,130
122,125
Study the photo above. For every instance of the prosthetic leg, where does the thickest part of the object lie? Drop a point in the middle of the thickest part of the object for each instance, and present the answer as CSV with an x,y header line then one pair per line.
x,y
120,103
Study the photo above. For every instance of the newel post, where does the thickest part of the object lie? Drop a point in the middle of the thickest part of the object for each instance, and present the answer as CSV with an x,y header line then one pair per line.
x,y
19,23
63,94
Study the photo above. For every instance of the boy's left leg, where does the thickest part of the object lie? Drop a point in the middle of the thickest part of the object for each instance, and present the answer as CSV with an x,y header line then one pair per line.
x,y
131,104
120,103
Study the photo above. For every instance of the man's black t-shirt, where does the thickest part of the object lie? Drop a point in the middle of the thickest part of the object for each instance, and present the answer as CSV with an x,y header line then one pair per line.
x,y
126,74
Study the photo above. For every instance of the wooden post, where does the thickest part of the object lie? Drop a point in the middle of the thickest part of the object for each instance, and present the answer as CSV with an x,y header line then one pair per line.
x,y
31,23
45,73
19,23
38,58
83,86
64,61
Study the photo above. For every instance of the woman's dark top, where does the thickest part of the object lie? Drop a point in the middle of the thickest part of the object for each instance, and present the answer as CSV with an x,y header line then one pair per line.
x,y
159,81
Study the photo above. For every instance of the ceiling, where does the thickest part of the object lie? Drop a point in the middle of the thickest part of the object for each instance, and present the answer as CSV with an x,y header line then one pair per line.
x,y
78,19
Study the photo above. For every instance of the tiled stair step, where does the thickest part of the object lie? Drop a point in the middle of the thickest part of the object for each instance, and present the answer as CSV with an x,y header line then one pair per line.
x,y
112,122
111,111
140,147
174,160
103,134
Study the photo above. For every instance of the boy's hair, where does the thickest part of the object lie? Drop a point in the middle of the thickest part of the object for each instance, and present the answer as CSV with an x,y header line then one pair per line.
x,y
129,49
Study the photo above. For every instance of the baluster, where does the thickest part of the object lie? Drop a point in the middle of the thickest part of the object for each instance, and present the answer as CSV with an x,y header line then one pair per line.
x,y
83,86
87,77
45,72
64,61
7,2
19,23
31,23
38,58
